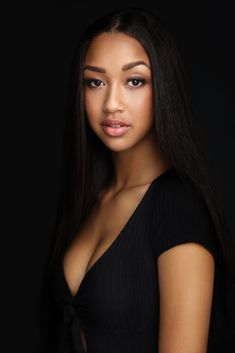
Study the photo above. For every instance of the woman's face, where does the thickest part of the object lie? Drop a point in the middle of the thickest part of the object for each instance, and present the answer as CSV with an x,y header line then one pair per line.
x,y
117,86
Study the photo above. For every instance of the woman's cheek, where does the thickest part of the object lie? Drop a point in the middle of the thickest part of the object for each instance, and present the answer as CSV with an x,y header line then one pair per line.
x,y
143,101
92,103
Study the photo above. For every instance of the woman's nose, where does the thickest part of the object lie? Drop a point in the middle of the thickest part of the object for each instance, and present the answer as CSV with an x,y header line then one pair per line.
x,y
113,100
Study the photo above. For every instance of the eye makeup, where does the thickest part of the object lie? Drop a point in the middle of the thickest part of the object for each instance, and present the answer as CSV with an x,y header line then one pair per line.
x,y
95,83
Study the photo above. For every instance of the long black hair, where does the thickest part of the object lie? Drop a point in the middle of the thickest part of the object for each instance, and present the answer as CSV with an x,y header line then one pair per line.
x,y
88,164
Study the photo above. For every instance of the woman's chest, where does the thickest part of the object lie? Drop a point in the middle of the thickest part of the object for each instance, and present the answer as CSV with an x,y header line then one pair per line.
x,y
121,286
122,283
101,230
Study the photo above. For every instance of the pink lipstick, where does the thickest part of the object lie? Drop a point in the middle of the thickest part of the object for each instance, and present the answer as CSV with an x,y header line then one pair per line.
x,y
114,127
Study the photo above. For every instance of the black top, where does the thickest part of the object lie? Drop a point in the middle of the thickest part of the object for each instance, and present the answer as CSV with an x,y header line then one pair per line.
x,y
117,303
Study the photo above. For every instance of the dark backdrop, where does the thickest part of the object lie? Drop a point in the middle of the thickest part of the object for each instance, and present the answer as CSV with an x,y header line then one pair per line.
x,y
204,32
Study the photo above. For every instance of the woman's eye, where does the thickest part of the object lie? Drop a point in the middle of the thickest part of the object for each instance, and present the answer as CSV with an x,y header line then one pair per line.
x,y
136,82
93,83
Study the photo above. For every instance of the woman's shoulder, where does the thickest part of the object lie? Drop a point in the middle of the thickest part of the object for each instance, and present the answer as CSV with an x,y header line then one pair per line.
x,y
172,189
179,214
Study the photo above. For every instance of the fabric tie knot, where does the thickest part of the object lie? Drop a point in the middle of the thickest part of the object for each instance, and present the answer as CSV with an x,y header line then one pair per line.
x,y
69,314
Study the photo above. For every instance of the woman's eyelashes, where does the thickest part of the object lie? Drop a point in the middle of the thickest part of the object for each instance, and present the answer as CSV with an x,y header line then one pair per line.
x,y
95,83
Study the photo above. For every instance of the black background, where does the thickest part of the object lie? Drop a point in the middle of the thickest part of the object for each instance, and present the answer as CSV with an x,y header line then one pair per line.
x,y
39,54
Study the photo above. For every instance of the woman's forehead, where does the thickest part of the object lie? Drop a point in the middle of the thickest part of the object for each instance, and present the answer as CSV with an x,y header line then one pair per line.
x,y
115,48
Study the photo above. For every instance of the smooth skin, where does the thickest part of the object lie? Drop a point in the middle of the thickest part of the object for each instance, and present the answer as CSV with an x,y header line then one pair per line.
x,y
115,89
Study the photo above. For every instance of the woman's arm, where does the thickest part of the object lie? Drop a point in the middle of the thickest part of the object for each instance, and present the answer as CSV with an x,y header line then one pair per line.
x,y
186,279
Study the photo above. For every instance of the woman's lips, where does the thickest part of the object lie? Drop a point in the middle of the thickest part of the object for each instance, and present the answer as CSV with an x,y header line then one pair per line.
x,y
115,131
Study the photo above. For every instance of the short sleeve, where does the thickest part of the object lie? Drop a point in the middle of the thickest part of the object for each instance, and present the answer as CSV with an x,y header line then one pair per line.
x,y
181,216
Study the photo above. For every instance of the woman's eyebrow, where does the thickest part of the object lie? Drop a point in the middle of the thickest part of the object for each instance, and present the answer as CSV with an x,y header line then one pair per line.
x,y
124,68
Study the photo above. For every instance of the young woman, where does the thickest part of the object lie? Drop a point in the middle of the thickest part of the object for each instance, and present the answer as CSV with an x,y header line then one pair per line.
x,y
141,239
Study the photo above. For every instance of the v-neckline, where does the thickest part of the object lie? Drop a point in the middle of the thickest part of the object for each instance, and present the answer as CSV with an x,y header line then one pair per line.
x,y
110,247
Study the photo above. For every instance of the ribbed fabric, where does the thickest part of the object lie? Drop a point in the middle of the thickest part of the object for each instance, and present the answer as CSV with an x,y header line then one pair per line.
x,y
117,303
